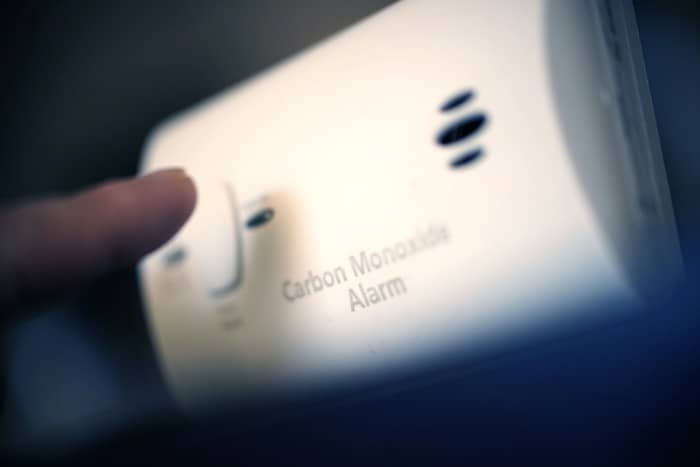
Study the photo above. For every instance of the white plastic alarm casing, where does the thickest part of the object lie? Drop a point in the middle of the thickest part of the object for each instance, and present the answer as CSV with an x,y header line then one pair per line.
x,y
566,207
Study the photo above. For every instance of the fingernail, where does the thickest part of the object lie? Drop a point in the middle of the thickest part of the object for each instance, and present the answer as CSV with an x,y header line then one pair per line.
x,y
176,175
171,173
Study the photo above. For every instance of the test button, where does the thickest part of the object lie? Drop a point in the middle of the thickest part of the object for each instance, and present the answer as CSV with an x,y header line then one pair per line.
x,y
211,238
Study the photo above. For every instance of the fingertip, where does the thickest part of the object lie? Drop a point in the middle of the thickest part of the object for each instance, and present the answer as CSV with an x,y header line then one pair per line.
x,y
124,220
175,190
167,199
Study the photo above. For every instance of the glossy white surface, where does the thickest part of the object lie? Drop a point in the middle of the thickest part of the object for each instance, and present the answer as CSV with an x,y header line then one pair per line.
x,y
340,142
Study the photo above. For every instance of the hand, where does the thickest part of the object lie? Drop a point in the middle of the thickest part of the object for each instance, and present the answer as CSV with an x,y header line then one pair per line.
x,y
55,245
